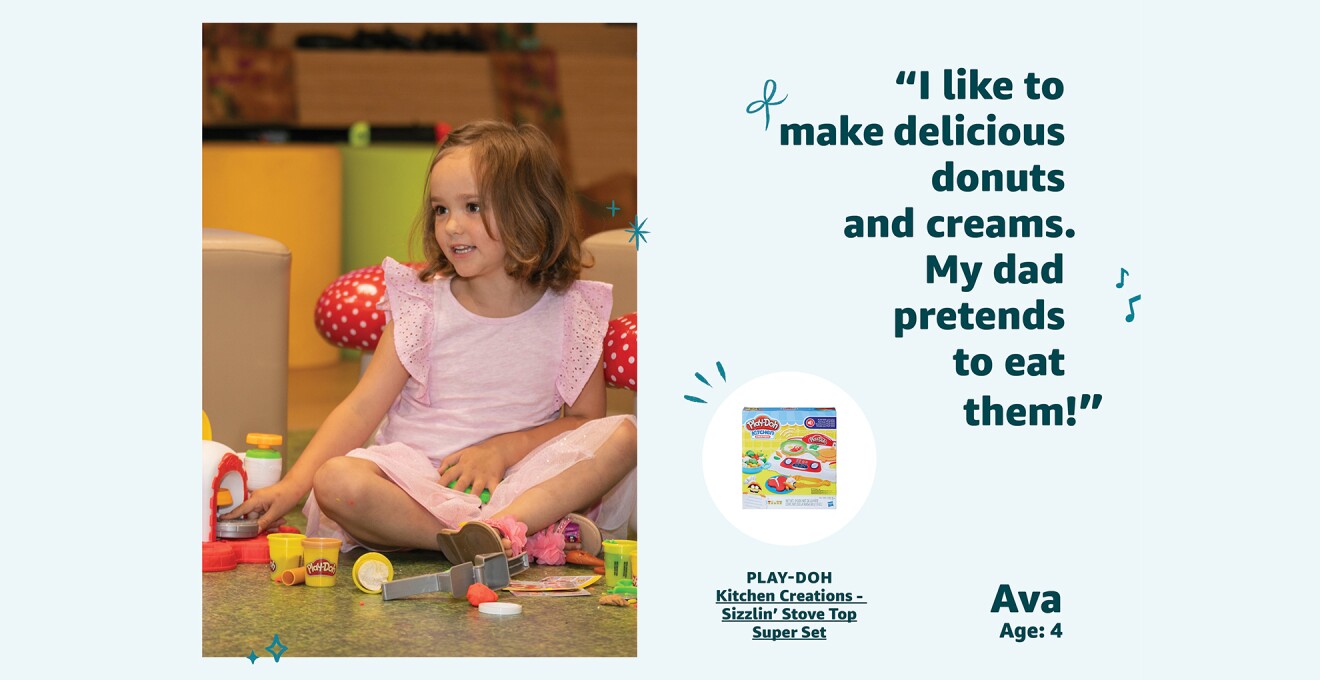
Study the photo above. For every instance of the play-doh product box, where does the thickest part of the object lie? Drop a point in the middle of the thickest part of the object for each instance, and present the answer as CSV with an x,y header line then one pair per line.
x,y
789,457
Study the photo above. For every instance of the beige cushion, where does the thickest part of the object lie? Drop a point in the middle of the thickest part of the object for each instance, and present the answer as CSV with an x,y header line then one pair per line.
x,y
245,335
616,263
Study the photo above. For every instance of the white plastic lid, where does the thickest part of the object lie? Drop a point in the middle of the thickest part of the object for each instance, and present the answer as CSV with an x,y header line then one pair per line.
x,y
500,608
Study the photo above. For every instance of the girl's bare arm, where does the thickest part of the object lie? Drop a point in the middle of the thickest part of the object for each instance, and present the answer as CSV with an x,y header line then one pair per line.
x,y
345,429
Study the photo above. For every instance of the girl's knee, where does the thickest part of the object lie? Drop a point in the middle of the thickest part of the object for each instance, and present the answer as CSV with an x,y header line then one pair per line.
x,y
624,442
338,478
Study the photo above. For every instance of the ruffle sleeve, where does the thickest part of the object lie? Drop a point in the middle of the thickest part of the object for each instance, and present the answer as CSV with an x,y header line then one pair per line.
x,y
409,303
586,317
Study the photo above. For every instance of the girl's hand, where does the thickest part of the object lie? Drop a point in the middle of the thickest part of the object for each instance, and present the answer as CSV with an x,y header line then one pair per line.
x,y
273,502
480,466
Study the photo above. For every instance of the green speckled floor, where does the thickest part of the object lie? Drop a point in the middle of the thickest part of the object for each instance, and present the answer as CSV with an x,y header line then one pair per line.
x,y
242,610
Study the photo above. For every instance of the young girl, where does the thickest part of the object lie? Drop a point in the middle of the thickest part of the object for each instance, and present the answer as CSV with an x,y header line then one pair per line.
x,y
483,348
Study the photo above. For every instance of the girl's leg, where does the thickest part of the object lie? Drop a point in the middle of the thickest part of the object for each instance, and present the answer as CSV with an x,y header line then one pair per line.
x,y
371,508
580,485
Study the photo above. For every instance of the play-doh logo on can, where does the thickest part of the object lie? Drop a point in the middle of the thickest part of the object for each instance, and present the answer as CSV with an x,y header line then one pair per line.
x,y
762,427
321,567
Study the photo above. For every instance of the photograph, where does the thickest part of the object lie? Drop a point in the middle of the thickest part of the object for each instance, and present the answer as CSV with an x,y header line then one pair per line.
x,y
419,340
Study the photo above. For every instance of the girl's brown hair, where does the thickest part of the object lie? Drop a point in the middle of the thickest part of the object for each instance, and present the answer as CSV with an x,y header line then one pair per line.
x,y
524,191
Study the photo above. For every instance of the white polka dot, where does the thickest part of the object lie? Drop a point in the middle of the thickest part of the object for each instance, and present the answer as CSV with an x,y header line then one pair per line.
x,y
334,326
339,306
343,319
621,369
631,381
374,316
355,312
610,343
613,355
362,324
632,360
625,348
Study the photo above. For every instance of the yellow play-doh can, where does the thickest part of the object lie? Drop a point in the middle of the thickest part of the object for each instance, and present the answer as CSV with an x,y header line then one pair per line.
x,y
321,560
371,571
286,552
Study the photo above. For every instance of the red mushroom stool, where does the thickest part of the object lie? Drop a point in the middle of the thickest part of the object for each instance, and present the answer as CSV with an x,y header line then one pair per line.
x,y
620,356
346,314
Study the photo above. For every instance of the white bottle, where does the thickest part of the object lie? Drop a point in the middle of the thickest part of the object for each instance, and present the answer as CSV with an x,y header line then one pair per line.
x,y
263,463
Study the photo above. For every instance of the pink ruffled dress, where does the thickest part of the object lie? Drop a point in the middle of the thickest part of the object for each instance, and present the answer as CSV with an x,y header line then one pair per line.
x,y
473,377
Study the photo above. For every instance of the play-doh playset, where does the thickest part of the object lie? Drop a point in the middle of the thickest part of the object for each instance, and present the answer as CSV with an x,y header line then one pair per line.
x,y
789,457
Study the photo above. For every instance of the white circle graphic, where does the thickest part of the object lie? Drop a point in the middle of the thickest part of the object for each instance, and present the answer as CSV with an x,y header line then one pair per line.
x,y
722,457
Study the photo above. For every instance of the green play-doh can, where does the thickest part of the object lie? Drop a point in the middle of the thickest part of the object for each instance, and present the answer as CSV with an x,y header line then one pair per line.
x,y
618,560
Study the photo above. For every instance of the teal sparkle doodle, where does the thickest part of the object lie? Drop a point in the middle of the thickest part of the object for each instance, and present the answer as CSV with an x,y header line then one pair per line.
x,y
637,235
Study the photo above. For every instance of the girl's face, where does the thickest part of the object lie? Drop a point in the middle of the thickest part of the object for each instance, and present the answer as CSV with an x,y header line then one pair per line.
x,y
457,207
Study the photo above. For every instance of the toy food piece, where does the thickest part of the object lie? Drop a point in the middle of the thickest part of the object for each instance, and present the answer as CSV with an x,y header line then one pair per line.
x,y
478,593
613,600
753,462
792,447
292,577
371,572
828,454
581,557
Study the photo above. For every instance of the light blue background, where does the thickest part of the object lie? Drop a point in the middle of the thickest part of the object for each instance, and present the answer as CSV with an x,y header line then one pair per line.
x,y
1178,521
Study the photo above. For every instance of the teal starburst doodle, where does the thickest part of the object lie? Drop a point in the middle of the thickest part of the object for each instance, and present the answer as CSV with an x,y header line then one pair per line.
x,y
719,367
252,656
637,232
277,648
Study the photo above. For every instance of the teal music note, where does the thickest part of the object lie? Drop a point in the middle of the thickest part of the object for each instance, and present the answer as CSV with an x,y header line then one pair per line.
x,y
1132,310
1122,274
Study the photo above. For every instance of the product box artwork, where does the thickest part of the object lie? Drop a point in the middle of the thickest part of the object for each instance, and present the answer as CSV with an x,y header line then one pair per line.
x,y
789,457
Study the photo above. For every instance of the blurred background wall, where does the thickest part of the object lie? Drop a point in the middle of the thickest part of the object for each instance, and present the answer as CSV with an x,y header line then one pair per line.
x,y
285,108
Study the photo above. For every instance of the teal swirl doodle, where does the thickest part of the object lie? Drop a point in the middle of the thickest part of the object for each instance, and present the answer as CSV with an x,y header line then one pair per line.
x,y
766,101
